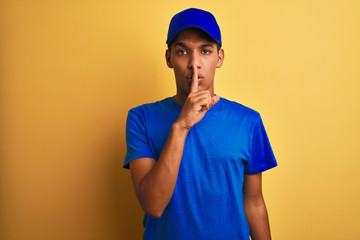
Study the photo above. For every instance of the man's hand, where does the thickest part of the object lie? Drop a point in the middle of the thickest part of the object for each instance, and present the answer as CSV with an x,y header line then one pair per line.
x,y
196,104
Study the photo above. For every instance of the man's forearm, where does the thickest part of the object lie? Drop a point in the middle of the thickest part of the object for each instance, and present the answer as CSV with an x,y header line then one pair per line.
x,y
258,220
156,188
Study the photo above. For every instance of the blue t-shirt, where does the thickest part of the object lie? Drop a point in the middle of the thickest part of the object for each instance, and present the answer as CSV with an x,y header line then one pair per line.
x,y
227,143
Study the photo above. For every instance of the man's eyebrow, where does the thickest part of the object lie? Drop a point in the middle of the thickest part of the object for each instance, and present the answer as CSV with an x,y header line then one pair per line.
x,y
180,44
207,45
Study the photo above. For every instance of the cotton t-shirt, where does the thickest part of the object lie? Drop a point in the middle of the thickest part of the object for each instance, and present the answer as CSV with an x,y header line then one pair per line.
x,y
227,143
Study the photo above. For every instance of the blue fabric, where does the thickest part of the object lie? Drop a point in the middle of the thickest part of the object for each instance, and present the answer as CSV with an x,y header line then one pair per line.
x,y
227,143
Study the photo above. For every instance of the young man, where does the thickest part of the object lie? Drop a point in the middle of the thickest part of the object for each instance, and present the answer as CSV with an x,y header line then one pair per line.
x,y
196,159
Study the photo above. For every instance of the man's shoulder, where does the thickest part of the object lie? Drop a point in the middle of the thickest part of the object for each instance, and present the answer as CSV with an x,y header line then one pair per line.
x,y
154,106
239,108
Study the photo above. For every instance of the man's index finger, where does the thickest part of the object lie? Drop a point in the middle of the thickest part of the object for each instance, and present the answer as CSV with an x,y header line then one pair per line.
x,y
194,80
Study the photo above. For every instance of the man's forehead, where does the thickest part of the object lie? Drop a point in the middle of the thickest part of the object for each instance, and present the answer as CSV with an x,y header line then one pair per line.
x,y
198,45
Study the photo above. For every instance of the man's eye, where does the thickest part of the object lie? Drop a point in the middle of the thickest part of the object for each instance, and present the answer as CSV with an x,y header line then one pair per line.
x,y
181,52
206,51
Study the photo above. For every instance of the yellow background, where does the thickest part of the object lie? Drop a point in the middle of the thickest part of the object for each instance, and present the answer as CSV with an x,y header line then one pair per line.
x,y
70,70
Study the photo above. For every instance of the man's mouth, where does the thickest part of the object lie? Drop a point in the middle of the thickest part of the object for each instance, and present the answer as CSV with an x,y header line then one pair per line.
x,y
200,78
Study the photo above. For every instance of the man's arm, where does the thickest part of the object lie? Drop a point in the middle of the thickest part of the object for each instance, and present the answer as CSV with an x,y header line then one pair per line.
x,y
255,208
154,182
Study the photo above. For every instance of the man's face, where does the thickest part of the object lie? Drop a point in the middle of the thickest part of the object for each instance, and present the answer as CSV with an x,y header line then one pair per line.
x,y
193,47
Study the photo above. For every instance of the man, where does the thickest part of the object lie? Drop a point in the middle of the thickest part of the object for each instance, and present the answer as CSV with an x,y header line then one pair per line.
x,y
196,159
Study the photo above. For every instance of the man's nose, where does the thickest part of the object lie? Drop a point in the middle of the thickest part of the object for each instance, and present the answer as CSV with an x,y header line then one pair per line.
x,y
194,60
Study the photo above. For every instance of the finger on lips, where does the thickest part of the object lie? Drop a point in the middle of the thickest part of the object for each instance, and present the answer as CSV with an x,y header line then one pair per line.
x,y
194,81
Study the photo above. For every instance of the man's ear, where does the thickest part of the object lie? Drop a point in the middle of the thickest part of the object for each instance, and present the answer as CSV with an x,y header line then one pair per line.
x,y
221,56
168,58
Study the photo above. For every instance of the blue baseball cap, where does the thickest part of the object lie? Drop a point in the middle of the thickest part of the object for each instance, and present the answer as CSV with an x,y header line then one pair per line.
x,y
194,18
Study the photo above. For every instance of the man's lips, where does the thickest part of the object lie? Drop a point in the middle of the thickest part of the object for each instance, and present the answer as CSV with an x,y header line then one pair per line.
x,y
199,78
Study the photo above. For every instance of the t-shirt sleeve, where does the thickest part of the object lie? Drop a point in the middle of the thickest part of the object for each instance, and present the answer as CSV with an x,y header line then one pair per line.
x,y
136,137
261,155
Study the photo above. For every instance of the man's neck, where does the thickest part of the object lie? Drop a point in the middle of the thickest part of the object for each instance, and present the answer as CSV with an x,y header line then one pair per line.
x,y
180,99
